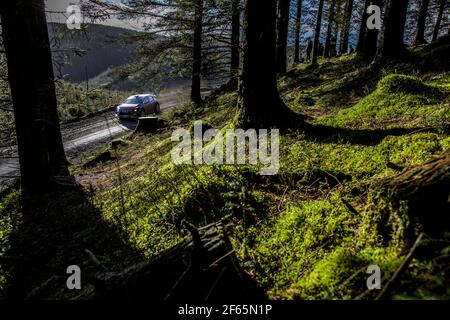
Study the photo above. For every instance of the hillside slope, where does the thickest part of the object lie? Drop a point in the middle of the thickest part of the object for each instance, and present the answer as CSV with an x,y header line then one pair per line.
x,y
98,44
311,231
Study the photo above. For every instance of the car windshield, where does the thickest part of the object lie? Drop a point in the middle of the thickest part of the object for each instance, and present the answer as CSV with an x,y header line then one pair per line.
x,y
134,100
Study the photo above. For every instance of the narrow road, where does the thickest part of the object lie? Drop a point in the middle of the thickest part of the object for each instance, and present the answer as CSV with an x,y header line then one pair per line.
x,y
82,137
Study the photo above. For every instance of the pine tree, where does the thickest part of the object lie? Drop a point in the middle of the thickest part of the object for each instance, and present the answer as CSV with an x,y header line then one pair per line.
x,y
31,80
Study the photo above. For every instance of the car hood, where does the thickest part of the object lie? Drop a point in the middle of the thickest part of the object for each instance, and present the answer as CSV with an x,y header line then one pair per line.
x,y
127,106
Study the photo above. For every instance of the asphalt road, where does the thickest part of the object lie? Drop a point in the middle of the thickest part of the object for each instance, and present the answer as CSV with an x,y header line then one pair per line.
x,y
82,137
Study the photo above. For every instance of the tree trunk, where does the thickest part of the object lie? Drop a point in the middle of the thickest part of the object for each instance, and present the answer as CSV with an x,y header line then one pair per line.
x,y
298,24
346,29
392,45
426,188
235,42
331,15
333,49
197,53
420,33
437,26
370,43
362,28
31,79
282,34
317,33
259,97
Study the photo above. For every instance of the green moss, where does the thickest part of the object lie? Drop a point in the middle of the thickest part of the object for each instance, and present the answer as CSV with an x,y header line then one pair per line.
x,y
410,150
317,250
398,101
396,83
303,157
342,273
160,199
298,239
8,208
317,247
385,221
311,231
445,143
314,245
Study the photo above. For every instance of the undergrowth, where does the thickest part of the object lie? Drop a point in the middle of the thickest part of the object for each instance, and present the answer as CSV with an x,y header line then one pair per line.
x,y
311,231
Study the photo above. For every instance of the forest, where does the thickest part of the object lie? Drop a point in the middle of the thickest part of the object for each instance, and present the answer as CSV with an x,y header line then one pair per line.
x,y
347,100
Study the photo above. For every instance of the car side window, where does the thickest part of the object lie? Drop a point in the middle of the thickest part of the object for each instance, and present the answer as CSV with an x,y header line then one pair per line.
x,y
146,100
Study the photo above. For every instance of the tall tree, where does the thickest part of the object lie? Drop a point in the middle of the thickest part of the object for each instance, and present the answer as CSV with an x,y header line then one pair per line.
x,y
362,27
235,42
282,34
392,45
370,43
437,26
31,79
331,20
315,53
259,97
346,28
420,33
165,50
197,53
298,25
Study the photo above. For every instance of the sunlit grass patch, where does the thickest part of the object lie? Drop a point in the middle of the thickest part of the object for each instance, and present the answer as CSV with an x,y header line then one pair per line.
x,y
398,101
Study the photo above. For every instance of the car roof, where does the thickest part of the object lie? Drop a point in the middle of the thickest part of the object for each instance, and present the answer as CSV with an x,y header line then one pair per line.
x,y
142,95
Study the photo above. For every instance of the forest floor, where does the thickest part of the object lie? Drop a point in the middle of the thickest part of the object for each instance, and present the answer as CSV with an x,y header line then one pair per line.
x,y
310,232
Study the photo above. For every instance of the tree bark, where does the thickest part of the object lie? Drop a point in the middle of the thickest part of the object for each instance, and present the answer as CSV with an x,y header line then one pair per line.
x,y
31,79
298,25
420,33
346,29
259,98
197,53
392,45
426,188
333,49
315,53
437,26
370,43
282,34
327,49
235,42
362,28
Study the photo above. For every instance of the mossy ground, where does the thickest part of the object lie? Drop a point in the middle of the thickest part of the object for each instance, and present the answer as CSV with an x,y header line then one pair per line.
x,y
311,231
399,101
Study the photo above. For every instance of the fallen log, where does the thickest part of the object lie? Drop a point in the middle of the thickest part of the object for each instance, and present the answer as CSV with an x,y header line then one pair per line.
x,y
202,267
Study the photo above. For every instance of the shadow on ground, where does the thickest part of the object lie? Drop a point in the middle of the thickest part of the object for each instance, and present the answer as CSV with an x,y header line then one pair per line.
x,y
54,231
366,137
